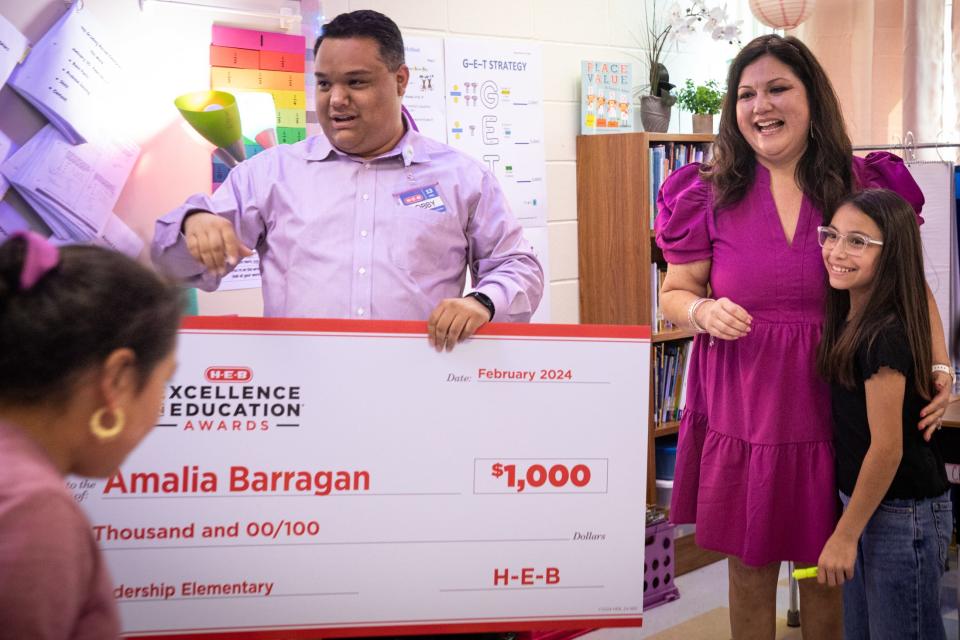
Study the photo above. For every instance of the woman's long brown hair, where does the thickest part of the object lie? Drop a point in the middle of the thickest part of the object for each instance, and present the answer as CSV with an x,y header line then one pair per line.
x,y
824,172
898,295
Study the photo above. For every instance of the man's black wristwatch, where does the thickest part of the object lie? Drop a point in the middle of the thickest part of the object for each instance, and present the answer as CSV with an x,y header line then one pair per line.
x,y
483,299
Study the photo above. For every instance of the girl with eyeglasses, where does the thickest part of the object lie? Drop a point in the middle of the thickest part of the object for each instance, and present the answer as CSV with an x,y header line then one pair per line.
x,y
889,548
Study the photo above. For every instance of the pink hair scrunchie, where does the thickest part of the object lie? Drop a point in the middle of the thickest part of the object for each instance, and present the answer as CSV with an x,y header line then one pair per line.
x,y
39,259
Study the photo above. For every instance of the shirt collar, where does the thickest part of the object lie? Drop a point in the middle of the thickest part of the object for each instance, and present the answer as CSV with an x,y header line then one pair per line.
x,y
412,147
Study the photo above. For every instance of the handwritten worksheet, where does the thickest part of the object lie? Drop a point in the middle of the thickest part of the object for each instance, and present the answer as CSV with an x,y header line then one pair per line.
x,y
71,75
73,187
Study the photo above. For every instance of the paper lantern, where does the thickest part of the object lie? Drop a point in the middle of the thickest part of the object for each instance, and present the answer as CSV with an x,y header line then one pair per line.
x,y
782,14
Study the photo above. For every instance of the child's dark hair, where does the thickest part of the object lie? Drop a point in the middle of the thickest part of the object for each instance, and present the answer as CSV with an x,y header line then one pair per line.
x,y
897,296
93,302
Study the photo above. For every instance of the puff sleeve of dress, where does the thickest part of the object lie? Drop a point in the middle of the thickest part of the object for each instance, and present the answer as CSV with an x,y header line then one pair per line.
x,y
683,212
882,170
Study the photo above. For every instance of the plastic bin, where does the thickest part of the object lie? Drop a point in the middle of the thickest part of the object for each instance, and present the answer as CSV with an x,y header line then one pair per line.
x,y
658,566
665,456
664,492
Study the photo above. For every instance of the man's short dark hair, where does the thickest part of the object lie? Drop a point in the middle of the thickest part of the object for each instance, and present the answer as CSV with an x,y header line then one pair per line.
x,y
365,23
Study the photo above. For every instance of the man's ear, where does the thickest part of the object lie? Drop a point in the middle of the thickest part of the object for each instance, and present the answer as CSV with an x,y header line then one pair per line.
x,y
118,376
403,77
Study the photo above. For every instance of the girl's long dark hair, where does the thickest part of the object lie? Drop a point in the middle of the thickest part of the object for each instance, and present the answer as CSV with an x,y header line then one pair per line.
x,y
897,296
824,173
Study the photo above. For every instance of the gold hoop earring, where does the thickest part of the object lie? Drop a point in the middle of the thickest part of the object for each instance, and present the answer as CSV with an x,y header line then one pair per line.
x,y
102,432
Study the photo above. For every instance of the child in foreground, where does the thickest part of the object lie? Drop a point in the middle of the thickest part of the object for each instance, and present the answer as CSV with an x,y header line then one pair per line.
x,y
87,341
889,547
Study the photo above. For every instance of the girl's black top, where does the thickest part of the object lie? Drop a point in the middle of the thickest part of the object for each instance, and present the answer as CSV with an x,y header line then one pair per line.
x,y
921,473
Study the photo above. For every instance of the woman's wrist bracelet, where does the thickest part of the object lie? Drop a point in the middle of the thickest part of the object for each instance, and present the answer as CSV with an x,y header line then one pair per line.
x,y
947,369
692,314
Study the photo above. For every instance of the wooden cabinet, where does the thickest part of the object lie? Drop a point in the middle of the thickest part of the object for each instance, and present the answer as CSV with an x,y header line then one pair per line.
x,y
616,246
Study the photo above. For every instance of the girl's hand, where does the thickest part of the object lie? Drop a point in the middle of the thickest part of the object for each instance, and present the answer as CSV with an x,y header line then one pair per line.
x,y
932,414
836,561
724,319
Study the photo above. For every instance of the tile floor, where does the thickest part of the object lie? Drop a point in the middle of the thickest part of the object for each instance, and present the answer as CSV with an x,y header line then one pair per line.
x,y
700,613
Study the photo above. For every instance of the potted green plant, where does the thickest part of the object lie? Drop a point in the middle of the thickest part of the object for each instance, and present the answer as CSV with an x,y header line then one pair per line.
x,y
703,101
659,34
655,98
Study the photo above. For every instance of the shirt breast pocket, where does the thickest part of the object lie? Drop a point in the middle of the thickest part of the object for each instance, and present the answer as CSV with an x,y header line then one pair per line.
x,y
426,240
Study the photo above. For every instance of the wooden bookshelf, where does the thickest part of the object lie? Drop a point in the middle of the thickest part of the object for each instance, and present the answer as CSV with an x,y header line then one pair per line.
x,y
666,429
673,334
616,245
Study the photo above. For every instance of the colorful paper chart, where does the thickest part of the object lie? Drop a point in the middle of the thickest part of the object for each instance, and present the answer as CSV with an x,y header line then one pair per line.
x,y
245,61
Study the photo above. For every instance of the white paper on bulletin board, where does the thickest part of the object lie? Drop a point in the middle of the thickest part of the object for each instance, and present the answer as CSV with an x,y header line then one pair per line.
x,y
12,46
72,76
938,234
537,236
424,98
495,114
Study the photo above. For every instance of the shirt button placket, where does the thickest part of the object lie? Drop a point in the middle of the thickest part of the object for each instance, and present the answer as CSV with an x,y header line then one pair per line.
x,y
362,290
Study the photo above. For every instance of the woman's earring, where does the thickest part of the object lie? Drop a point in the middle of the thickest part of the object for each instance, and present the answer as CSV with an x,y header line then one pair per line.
x,y
104,432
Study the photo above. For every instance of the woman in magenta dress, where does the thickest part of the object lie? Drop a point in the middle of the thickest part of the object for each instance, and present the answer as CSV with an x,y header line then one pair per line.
x,y
755,463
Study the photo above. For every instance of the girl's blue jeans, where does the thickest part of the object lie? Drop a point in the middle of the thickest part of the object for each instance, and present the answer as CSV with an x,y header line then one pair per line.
x,y
895,591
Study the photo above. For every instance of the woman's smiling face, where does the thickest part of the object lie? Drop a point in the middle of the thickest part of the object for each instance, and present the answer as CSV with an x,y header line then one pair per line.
x,y
773,113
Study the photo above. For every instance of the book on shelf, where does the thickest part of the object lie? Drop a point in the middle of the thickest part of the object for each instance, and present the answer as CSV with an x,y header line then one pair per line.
x,y
606,103
658,323
670,371
667,157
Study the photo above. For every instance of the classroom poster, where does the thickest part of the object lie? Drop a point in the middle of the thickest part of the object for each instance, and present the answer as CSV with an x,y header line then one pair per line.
x,y
495,114
424,98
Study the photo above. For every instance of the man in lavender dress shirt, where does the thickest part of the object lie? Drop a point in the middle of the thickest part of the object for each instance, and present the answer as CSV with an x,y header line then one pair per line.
x,y
369,220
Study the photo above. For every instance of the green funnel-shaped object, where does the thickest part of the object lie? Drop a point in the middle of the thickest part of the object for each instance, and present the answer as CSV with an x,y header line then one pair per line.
x,y
215,116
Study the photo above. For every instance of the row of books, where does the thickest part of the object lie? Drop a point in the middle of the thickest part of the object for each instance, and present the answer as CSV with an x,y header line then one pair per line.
x,y
671,365
657,322
666,158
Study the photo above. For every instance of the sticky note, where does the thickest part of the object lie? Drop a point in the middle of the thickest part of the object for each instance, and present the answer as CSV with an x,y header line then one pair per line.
x,y
281,61
233,57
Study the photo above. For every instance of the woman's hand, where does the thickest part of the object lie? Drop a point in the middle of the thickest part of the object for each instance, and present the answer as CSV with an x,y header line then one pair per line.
x,y
835,565
932,415
724,319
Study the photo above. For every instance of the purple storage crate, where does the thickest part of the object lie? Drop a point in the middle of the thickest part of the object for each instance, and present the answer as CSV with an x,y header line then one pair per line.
x,y
658,566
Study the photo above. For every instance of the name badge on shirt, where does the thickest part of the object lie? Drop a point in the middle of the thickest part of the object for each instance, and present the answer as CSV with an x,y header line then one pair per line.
x,y
423,198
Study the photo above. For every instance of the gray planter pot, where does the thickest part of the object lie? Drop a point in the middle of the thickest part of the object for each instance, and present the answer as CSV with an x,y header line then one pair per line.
x,y
654,114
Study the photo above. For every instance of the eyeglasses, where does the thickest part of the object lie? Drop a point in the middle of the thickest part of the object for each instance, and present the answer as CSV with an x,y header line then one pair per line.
x,y
855,243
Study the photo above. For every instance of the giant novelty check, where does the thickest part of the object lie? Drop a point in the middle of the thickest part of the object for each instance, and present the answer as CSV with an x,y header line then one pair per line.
x,y
343,478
